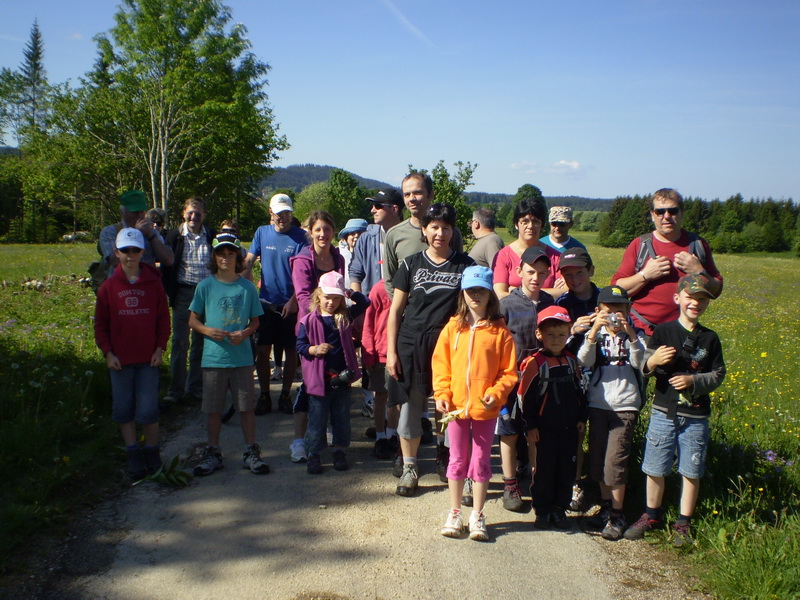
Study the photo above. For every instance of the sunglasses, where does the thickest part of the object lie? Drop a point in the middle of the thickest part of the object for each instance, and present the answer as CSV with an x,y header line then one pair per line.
x,y
672,210
381,205
130,249
558,224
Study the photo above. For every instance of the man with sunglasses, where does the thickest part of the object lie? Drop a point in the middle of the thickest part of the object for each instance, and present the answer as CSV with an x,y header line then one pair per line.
x,y
672,253
560,224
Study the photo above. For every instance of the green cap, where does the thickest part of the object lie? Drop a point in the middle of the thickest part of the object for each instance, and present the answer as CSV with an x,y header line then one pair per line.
x,y
134,201
694,284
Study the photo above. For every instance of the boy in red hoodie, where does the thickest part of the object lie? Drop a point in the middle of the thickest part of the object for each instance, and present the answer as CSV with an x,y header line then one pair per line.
x,y
131,328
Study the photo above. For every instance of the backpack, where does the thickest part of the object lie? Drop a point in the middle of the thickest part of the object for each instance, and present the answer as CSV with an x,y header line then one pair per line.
x,y
543,362
98,270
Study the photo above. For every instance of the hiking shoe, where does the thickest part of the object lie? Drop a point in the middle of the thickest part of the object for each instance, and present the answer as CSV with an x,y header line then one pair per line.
x,y
212,461
682,535
427,431
578,498
314,466
297,450
442,460
466,496
381,450
264,405
512,498
560,520
285,403
642,525
397,467
371,433
542,520
340,460
409,481
152,459
251,459
600,519
454,525
277,374
615,527
477,527
137,469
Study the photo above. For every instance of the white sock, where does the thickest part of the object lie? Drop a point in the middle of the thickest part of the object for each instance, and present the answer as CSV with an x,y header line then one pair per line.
x,y
380,435
390,433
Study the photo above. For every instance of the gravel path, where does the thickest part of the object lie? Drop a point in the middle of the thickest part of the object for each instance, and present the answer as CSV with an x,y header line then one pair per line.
x,y
289,535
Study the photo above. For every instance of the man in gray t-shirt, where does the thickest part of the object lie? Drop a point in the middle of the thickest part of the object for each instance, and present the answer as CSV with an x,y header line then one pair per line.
x,y
487,243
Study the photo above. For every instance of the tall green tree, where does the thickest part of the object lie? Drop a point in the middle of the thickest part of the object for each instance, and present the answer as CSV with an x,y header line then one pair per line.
x,y
33,95
528,191
346,197
450,189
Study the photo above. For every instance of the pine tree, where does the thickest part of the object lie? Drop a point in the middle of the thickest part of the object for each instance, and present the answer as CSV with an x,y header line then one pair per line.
x,y
33,97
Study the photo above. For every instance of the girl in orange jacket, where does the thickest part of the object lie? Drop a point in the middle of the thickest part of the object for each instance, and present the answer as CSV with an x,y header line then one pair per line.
x,y
474,369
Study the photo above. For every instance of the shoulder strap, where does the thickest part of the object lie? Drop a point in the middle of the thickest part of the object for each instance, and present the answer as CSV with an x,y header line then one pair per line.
x,y
645,250
697,248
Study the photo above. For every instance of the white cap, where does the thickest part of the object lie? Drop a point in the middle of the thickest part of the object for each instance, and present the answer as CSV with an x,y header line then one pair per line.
x,y
129,237
280,203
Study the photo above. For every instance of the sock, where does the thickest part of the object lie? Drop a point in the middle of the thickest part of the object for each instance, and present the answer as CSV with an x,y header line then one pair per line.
x,y
614,512
455,511
409,460
683,520
606,504
390,433
380,435
654,513
510,482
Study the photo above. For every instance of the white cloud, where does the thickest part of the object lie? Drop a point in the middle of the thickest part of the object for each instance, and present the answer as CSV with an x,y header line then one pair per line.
x,y
526,166
401,18
571,168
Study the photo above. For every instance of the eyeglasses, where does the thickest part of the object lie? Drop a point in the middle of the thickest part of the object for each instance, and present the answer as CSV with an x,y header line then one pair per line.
x,y
526,222
672,210
130,249
381,205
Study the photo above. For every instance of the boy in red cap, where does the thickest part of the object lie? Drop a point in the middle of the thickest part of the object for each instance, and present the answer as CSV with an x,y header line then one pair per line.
x,y
553,413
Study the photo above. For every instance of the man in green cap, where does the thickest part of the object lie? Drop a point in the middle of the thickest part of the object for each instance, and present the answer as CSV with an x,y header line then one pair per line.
x,y
133,204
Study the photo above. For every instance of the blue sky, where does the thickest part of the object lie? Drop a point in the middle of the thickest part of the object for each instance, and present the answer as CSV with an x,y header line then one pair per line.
x,y
587,98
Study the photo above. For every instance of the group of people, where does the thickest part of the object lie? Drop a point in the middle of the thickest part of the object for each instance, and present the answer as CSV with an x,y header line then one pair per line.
x,y
514,341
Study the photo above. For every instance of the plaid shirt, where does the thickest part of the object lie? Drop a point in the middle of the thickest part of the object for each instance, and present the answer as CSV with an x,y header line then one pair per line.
x,y
196,255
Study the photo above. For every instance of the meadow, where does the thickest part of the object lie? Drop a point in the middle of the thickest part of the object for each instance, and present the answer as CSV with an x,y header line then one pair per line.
x,y
60,451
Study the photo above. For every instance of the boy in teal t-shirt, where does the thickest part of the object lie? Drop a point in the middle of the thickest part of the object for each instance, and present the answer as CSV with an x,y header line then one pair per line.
x,y
225,310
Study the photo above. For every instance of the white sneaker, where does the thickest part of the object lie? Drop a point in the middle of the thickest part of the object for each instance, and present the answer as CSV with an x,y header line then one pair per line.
x,y
298,451
477,527
368,407
454,525
277,374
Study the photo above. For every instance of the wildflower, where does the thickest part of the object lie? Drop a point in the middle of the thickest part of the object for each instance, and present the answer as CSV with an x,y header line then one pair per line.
x,y
770,455
763,355
65,459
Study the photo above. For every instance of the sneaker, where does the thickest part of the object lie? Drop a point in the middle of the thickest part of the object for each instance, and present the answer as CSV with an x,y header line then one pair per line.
x,y
560,520
152,459
578,497
477,527
212,461
297,450
642,525
340,460
542,520
381,450
368,407
615,527
137,469
264,405
409,481
397,467
600,519
285,403
442,460
371,433
466,497
512,498
314,466
682,535
427,431
454,525
251,459
277,374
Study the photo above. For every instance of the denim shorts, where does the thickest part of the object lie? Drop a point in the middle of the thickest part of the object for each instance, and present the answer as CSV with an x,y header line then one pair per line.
x,y
134,394
684,435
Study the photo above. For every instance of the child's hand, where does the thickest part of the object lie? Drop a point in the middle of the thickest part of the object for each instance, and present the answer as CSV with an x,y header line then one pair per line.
x,y
157,358
237,337
662,356
489,402
112,362
217,334
561,285
681,382
442,405
582,324
322,349
532,436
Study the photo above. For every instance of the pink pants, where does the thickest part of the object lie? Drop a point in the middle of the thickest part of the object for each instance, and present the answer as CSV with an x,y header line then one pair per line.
x,y
477,465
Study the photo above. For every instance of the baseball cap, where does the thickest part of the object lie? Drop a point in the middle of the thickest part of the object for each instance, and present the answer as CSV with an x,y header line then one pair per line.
x,y
476,276
560,214
387,196
225,239
532,254
553,313
280,203
613,294
129,237
134,201
694,284
353,226
332,283
575,257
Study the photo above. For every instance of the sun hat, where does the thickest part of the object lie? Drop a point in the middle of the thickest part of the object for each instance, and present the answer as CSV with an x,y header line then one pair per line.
x,y
129,237
553,313
280,203
332,283
476,276
353,226
134,201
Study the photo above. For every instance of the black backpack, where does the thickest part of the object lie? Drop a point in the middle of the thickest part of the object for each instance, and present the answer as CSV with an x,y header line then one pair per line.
x,y
98,270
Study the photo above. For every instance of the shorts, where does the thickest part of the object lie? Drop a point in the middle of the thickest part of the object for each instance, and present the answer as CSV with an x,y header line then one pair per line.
x,y
273,328
513,425
377,378
688,436
610,442
217,382
134,394
409,426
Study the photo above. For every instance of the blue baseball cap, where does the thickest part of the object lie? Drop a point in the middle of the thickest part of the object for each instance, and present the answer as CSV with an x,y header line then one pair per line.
x,y
477,276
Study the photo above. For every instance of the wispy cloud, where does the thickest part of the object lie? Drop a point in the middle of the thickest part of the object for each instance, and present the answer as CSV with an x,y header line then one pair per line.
x,y
571,169
410,27
76,36
526,166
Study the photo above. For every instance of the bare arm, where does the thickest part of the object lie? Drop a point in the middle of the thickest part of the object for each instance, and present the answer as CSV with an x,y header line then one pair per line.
x,y
396,310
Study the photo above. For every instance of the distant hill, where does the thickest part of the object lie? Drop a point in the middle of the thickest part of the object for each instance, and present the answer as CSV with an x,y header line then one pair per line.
x,y
296,177
576,202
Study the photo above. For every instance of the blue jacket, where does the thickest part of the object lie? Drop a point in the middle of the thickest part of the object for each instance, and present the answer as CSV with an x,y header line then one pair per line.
x,y
365,267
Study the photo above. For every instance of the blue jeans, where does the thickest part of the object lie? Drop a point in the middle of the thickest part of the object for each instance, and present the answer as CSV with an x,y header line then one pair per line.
x,y
180,383
336,404
134,394
687,436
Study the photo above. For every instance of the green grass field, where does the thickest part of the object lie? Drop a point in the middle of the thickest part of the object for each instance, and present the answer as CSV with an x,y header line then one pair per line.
x,y
58,441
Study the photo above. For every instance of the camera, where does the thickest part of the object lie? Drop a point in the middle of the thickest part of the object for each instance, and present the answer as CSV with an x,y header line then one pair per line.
x,y
613,320
341,379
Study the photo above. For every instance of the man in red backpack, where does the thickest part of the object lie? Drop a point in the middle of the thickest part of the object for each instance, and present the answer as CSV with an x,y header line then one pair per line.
x,y
654,262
